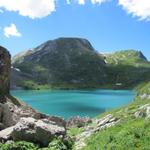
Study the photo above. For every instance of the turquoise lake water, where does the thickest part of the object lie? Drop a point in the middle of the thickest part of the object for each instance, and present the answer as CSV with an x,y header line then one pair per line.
x,y
68,103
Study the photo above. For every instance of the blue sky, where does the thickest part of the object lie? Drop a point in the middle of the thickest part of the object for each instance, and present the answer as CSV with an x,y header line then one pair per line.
x,y
109,25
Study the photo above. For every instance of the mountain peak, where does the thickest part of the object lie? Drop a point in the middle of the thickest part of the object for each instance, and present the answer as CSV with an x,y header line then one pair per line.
x,y
61,61
130,57
65,43
141,55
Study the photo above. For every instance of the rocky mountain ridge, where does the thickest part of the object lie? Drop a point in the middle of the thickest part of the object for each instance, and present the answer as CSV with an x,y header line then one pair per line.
x,y
126,57
61,62
73,63
53,45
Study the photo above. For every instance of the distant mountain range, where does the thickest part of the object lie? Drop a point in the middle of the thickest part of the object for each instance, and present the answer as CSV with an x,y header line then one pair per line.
x,y
67,63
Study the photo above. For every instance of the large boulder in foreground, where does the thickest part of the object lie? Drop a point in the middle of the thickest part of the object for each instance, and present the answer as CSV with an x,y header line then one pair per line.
x,y
5,63
37,131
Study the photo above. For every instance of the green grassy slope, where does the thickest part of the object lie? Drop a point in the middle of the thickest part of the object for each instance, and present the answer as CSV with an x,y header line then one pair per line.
x,y
128,68
131,133
127,57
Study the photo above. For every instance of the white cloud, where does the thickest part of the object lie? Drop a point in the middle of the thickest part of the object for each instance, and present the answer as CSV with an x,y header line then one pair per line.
x,y
139,8
11,31
81,2
68,2
98,1
30,8
42,8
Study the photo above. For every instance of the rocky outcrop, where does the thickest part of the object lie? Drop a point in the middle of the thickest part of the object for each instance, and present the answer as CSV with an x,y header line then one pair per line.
x,y
4,72
145,96
5,134
37,131
143,111
99,124
11,113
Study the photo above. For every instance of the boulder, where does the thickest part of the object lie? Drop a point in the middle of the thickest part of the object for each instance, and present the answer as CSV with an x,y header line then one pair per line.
x,y
5,134
145,96
148,112
106,119
99,124
9,115
143,111
37,131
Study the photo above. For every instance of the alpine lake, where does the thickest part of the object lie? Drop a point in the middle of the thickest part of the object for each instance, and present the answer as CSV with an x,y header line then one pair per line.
x,y
70,103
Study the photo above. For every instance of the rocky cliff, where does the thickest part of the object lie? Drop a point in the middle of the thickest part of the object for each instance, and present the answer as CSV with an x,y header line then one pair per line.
x,y
127,68
4,71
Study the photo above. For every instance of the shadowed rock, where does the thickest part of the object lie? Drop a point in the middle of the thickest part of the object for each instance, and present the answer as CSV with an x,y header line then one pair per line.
x,y
38,131
5,64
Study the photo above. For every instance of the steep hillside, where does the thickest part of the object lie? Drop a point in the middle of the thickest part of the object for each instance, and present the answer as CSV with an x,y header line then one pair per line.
x,y
64,62
125,128
119,129
73,63
127,68
127,57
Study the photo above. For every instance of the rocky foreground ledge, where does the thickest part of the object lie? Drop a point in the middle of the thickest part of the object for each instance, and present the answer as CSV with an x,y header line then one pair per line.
x,y
18,121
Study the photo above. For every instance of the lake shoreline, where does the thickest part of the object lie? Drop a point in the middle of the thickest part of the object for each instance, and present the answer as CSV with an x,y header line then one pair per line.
x,y
71,103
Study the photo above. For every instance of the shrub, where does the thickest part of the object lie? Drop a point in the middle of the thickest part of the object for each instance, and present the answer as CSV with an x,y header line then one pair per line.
x,y
18,146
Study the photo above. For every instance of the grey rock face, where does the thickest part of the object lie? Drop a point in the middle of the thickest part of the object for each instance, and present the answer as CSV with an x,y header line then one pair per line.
x,y
38,131
143,111
5,134
4,72
10,114
145,96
